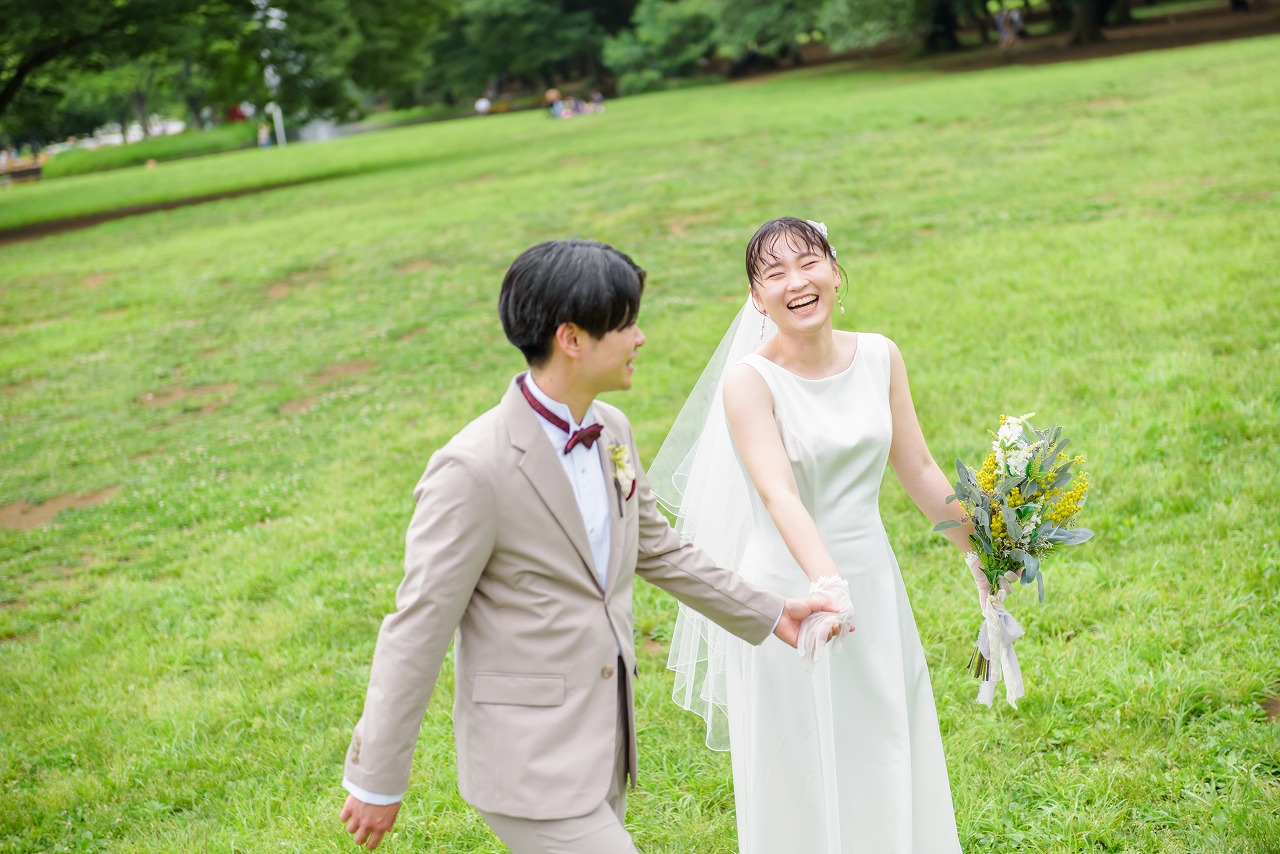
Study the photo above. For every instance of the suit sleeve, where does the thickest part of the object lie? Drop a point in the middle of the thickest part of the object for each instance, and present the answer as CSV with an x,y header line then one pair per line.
x,y
689,574
449,542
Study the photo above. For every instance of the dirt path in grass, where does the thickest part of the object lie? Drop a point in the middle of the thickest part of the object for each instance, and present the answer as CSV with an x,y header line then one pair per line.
x,y
1179,30
36,230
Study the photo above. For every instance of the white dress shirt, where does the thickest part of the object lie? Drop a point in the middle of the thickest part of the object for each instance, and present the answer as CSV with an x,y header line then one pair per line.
x,y
582,467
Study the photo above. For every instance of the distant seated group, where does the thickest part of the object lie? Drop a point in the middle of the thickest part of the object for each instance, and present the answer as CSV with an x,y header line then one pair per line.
x,y
561,107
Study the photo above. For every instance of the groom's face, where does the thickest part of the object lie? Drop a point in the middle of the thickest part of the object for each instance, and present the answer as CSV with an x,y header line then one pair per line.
x,y
610,359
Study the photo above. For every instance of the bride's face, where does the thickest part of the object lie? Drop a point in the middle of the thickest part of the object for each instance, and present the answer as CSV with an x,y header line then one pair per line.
x,y
795,285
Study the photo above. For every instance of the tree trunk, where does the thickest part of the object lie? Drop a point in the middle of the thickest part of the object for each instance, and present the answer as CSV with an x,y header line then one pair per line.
x,y
138,100
942,27
1084,25
126,116
194,107
981,19
1062,15
1122,12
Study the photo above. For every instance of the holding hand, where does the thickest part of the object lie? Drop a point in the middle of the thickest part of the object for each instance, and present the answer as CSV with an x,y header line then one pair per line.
x,y
794,614
984,585
829,626
366,822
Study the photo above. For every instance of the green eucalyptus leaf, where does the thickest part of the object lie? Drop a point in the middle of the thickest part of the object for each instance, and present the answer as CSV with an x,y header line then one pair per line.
x,y
984,542
1030,565
1011,523
947,524
1070,536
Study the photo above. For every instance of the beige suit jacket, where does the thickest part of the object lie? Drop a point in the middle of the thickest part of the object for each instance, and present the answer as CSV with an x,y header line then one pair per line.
x,y
498,552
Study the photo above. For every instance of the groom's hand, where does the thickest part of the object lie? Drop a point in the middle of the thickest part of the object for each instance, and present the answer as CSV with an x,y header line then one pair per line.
x,y
795,610
366,822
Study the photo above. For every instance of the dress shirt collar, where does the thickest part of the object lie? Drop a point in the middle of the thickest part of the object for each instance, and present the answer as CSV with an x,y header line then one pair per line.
x,y
556,407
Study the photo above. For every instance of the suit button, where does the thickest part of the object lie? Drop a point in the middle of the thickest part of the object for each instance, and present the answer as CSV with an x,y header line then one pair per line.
x,y
606,672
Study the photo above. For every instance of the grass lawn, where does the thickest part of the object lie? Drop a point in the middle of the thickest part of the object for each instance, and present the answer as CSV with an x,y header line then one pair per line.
x,y
258,383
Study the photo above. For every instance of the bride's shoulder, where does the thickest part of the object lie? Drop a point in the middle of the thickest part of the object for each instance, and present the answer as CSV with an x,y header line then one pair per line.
x,y
746,379
759,359
873,340
877,349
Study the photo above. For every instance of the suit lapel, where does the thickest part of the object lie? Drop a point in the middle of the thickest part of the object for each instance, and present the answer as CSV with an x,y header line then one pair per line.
x,y
539,465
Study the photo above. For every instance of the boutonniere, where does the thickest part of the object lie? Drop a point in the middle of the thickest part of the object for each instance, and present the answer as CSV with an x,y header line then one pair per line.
x,y
624,474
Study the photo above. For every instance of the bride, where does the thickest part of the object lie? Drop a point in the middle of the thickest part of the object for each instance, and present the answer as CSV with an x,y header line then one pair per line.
x,y
843,754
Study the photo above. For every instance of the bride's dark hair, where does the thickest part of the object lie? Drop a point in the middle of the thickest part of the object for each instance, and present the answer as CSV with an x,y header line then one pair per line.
x,y
798,232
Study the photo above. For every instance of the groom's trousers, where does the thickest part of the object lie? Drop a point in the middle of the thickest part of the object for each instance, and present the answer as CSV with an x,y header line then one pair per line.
x,y
600,831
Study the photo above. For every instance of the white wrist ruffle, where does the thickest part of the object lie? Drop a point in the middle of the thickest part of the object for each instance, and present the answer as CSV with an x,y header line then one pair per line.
x,y
817,627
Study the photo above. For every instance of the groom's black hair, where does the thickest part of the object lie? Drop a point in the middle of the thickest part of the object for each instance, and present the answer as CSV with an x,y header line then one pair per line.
x,y
583,282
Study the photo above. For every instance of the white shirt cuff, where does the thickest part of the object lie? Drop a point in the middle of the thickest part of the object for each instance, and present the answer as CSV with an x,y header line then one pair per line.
x,y
771,631
371,798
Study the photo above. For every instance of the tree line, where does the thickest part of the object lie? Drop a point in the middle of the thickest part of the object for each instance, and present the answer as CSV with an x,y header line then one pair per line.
x,y
69,66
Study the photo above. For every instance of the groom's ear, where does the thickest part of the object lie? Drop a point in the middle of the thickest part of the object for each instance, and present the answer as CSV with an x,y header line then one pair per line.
x,y
569,339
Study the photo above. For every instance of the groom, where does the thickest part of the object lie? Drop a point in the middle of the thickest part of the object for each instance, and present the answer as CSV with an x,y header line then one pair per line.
x,y
530,525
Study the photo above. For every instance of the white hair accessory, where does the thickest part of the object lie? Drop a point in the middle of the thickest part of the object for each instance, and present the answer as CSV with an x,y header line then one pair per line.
x,y
821,228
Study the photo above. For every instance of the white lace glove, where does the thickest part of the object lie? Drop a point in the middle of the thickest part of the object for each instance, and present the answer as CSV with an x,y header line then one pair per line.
x,y
815,631
984,586
979,578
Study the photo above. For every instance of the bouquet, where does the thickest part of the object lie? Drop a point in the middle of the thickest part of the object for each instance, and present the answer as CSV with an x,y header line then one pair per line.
x,y
1023,503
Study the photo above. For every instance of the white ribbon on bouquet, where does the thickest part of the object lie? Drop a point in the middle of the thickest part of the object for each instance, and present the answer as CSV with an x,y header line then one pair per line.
x,y
995,644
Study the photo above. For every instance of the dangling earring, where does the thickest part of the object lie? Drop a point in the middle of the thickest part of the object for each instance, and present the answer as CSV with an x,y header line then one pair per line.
x,y
840,300
763,317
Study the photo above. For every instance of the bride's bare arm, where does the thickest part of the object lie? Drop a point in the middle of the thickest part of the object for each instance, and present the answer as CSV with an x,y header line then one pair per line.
x,y
912,463
748,406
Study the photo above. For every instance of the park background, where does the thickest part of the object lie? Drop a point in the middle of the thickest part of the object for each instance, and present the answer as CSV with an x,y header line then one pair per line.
x,y
230,403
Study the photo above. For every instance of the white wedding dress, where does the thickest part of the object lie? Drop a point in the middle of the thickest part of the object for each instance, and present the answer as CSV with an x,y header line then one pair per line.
x,y
845,756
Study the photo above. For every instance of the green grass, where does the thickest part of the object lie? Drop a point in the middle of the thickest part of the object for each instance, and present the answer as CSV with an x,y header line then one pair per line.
x,y
79,161
1097,242
1175,7
457,143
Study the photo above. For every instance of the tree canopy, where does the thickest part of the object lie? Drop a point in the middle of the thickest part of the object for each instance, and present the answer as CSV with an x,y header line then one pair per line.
x,y
70,67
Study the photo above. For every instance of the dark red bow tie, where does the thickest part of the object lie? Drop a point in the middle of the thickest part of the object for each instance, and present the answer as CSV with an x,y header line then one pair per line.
x,y
586,436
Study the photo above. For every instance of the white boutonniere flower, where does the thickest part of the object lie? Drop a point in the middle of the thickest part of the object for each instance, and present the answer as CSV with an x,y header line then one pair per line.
x,y
623,471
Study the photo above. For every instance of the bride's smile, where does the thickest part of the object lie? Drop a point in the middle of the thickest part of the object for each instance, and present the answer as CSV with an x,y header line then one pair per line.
x,y
803,305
